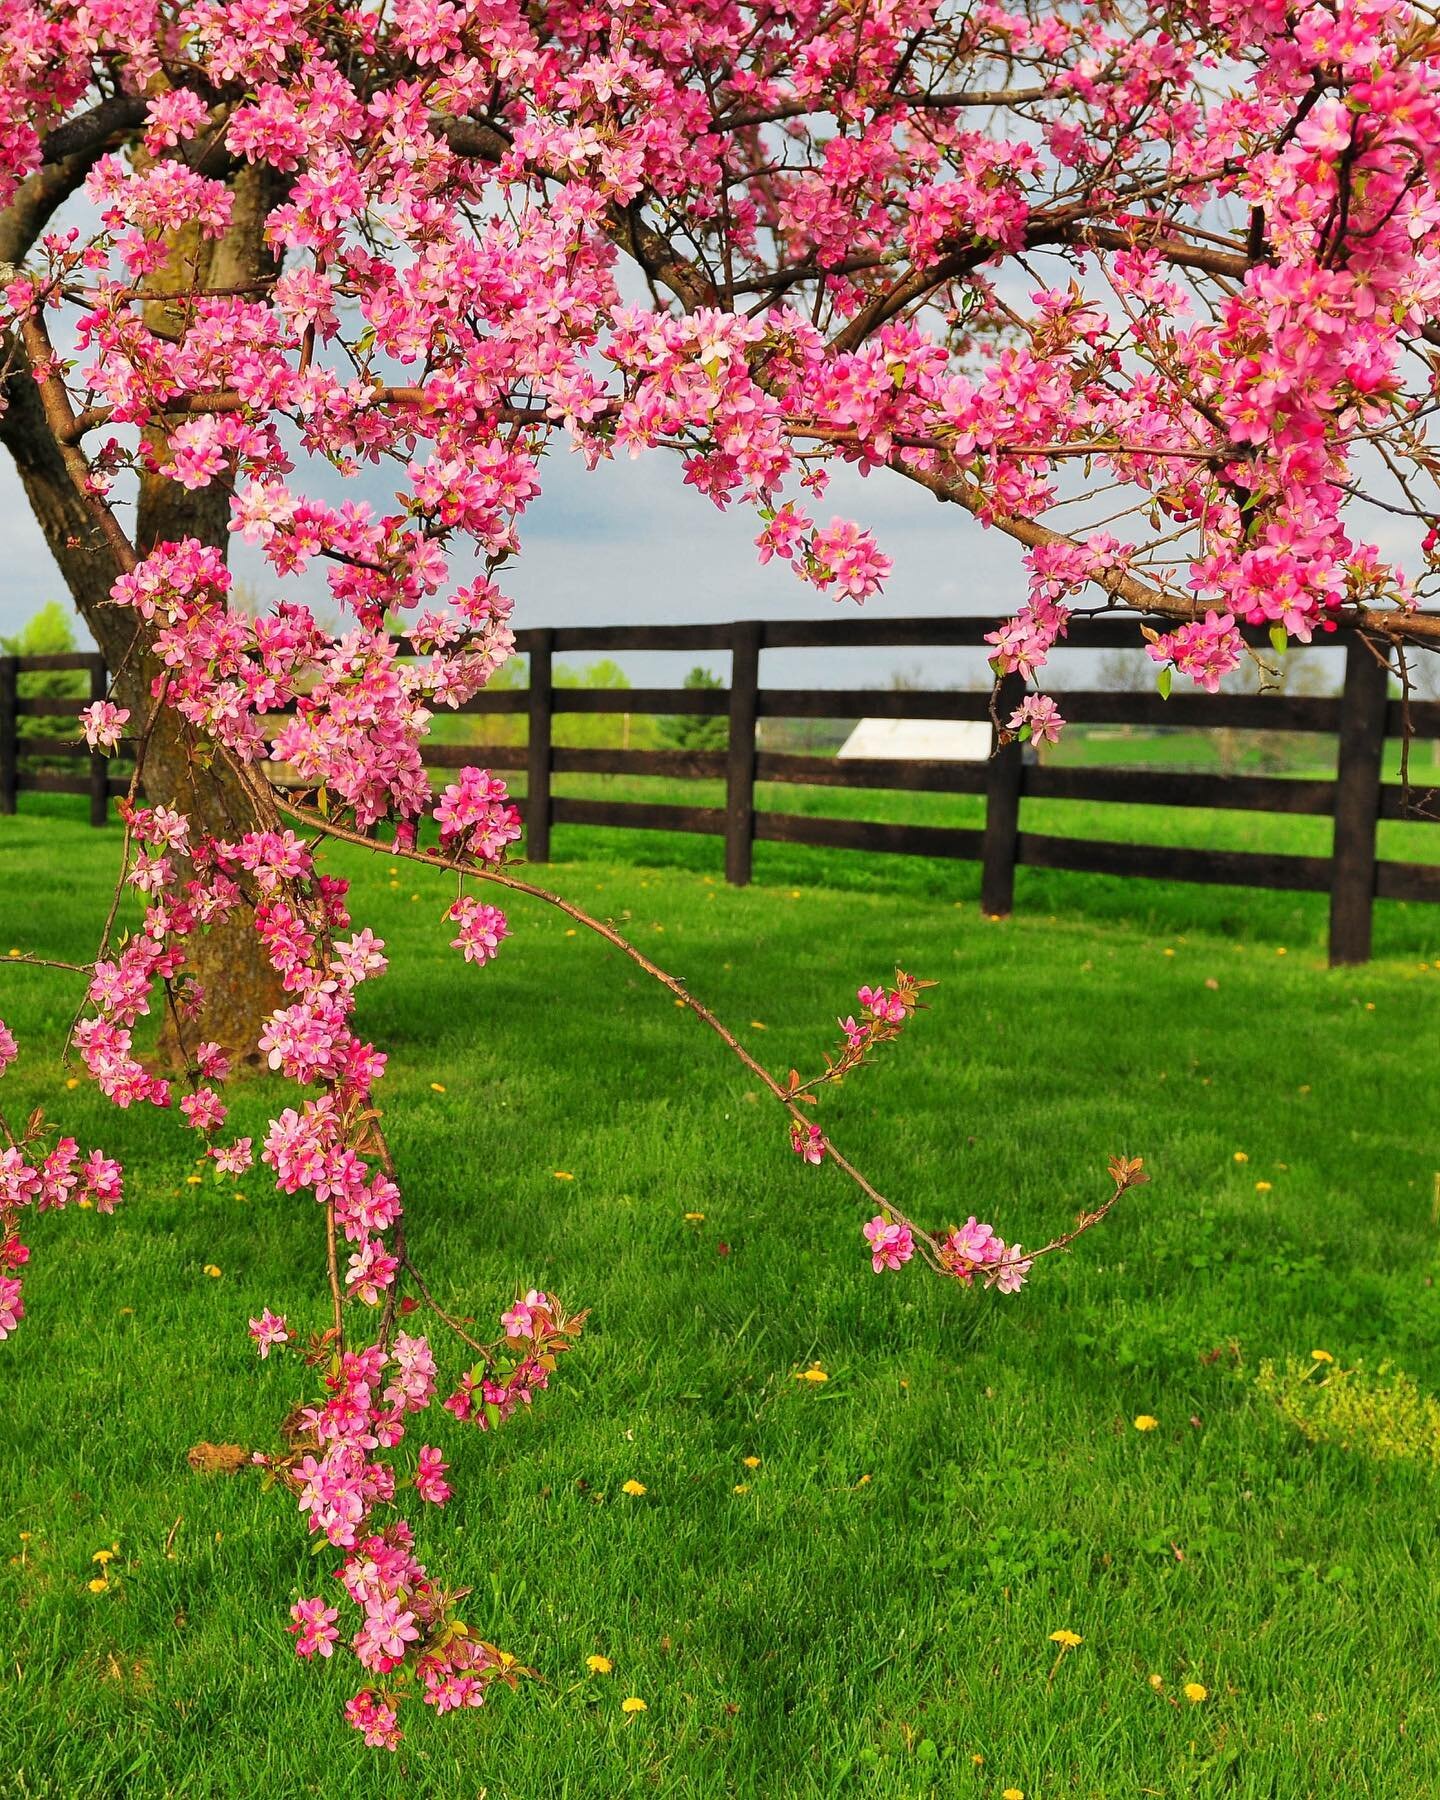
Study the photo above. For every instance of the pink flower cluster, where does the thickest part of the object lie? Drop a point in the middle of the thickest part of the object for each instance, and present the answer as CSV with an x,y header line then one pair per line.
x,y
42,1172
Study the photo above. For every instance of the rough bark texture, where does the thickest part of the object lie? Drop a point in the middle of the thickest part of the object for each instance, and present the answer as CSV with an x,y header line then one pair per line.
x,y
240,986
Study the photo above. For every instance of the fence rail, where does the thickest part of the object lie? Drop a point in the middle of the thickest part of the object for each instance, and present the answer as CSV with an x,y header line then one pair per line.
x,y
1361,718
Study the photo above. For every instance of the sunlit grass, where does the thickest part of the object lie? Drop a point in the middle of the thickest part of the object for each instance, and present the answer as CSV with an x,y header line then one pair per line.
x,y
848,1585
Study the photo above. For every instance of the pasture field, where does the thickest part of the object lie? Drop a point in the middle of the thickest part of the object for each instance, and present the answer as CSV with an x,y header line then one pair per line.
x,y
868,1609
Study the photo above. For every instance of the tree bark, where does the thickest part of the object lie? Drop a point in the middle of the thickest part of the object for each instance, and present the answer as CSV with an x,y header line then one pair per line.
x,y
228,961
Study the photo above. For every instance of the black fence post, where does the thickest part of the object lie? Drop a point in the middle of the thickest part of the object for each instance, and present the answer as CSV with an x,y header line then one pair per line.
x,y
740,758
99,765
9,732
537,790
1357,801
1002,808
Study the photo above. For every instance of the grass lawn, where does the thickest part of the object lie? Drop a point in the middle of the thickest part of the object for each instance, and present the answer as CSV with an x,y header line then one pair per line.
x,y
871,1615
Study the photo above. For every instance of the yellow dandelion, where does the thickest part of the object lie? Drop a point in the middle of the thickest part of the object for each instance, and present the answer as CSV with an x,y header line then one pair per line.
x,y
751,1462
103,1556
755,1025
1013,1794
633,1705
72,1082
1067,1640
977,1758
1263,1187
742,1487
14,952
193,1180
1280,950
1321,1356
1157,1682
84,1204
599,1665
1242,1156
813,1373
570,931
98,1585
414,896
437,1087
1144,1422
563,1175
633,1487
694,1218
212,1270
1194,1693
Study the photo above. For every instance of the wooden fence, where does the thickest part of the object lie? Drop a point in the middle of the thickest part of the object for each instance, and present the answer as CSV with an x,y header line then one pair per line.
x,y
1356,798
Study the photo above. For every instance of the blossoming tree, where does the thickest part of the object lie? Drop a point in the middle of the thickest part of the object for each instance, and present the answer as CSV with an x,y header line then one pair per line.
x,y
1177,263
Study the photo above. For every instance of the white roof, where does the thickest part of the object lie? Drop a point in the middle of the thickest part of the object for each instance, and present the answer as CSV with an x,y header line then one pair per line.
x,y
920,740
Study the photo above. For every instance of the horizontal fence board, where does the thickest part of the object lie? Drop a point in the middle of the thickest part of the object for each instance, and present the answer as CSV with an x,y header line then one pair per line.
x,y
1120,632
65,784
1165,787
635,815
478,756
693,765
48,707
868,834
52,746
59,659
1168,862
641,700
503,700
633,637
1407,881
1415,802
1424,719
872,772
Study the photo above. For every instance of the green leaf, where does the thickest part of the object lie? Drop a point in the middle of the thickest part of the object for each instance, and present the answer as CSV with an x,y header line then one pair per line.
x,y
1167,675
1279,640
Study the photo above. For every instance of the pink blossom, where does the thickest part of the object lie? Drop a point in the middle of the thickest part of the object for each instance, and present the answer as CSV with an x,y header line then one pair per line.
x,y
102,723
891,1244
269,1331
429,1477
314,1627
807,1140
1038,718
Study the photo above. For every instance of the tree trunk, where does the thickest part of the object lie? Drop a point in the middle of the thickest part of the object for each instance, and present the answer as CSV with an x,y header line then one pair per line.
x,y
239,985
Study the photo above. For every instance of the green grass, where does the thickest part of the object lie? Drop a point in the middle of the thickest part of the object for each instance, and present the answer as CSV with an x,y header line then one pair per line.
x,y
823,1633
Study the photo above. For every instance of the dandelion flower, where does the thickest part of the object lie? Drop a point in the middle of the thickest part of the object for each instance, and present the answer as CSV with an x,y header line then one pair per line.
x,y
103,1557
1321,1356
742,1487
1242,1156
212,1270
751,1462
633,1705
1263,1187
1144,1422
1013,1794
563,1175
813,1373
633,1487
599,1665
437,1087
98,1585
1067,1640
694,1218
1194,1693
1157,1682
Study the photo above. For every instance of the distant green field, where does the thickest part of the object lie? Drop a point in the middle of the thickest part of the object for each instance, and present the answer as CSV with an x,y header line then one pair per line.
x,y
868,1611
